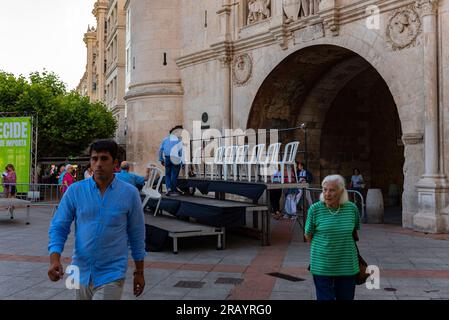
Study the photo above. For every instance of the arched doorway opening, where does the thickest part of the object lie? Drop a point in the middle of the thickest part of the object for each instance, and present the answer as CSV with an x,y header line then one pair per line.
x,y
351,116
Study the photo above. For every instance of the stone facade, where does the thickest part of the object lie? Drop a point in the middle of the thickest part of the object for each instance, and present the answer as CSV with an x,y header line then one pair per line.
x,y
274,64
104,79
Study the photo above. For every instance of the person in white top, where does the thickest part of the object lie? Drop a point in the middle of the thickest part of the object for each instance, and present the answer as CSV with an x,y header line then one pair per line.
x,y
88,173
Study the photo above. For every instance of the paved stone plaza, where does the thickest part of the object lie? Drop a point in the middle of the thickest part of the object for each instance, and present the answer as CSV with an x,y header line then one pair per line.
x,y
412,265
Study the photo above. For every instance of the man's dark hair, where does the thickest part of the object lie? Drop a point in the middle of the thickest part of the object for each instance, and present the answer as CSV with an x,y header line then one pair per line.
x,y
105,145
175,128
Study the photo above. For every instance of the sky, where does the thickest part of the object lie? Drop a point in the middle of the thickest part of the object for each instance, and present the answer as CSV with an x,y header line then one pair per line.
x,y
45,34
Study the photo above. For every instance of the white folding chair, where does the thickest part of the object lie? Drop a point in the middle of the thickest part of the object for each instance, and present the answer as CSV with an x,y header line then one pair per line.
x,y
196,161
271,158
229,159
218,161
241,158
151,187
289,159
254,158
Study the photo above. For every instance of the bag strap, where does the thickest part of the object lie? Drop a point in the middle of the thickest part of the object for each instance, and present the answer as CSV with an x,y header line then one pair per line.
x,y
356,238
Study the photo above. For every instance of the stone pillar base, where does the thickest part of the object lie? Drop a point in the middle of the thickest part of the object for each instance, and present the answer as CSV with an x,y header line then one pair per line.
x,y
433,194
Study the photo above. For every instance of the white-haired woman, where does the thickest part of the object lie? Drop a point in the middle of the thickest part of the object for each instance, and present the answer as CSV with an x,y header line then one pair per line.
x,y
333,255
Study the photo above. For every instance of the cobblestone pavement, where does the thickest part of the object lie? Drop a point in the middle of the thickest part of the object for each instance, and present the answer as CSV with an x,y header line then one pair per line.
x,y
412,265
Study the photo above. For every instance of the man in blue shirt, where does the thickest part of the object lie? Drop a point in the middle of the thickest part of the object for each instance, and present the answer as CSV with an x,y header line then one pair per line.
x,y
131,178
170,156
108,215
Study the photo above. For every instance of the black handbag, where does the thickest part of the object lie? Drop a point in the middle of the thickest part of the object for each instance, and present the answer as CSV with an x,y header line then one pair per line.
x,y
360,278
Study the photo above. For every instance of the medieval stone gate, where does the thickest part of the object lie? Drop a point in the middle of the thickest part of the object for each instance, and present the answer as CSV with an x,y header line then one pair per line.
x,y
370,77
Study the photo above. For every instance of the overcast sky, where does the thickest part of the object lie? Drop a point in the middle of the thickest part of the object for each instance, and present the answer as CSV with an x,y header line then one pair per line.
x,y
38,34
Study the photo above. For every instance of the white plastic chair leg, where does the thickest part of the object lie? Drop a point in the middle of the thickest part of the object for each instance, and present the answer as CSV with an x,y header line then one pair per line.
x,y
282,172
157,206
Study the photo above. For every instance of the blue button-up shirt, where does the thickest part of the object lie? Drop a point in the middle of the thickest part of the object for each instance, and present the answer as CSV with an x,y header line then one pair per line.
x,y
103,227
171,146
130,177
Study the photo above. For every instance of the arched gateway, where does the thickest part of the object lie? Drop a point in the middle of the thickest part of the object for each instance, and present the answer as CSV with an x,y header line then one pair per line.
x,y
350,113
370,78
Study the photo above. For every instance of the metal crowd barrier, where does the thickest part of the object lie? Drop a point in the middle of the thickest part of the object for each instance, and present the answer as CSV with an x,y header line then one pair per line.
x,y
353,195
37,193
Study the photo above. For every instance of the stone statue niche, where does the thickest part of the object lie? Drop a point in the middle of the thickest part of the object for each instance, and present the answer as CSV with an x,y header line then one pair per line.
x,y
295,9
258,10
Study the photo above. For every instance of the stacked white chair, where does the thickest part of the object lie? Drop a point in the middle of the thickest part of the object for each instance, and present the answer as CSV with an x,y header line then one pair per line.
x,y
229,159
271,159
254,158
151,187
196,162
218,161
289,160
241,159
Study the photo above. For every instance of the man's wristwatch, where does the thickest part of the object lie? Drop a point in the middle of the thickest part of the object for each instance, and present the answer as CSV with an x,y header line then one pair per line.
x,y
138,272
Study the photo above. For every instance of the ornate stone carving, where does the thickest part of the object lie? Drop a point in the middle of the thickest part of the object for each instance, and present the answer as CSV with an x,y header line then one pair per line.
x,y
403,28
427,7
242,69
295,9
309,33
258,10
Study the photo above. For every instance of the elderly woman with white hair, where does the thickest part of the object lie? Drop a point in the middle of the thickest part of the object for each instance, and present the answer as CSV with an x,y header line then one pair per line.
x,y
330,225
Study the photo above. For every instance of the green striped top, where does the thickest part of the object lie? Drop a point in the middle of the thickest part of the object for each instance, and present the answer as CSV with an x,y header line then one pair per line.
x,y
333,251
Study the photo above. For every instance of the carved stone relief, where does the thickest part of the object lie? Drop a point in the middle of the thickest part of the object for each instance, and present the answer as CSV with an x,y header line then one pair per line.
x,y
242,69
258,10
403,28
295,9
309,33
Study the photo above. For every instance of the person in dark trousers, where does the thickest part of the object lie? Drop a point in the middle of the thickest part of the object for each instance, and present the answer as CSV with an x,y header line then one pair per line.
x,y
108,216
170,156
331,227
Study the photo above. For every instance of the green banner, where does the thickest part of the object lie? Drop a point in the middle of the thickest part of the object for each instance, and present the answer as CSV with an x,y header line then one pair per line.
x,y
15,148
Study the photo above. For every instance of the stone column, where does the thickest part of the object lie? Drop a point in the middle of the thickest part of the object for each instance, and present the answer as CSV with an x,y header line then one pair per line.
x,y
89,40
223,47
100,11
433,187
430,47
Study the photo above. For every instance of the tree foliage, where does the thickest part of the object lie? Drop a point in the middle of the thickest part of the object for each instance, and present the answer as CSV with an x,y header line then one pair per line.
x,y
68,122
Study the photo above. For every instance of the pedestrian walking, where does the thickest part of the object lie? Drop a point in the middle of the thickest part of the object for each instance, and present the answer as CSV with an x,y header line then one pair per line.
x,y
68,178
9,181
88,173
108,217
331,227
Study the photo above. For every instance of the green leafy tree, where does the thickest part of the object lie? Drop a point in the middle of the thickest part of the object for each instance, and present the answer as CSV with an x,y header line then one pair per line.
x,y
68,122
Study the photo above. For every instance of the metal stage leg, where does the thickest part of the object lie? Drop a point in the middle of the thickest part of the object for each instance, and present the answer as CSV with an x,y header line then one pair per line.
x,y
255,218
175,245
28,214
223,238
219,242
265,232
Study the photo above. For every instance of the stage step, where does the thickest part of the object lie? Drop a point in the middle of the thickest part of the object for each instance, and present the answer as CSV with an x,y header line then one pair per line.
x,y
180,229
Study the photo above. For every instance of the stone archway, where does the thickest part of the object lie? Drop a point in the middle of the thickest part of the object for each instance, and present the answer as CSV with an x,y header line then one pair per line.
x,y
351,115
